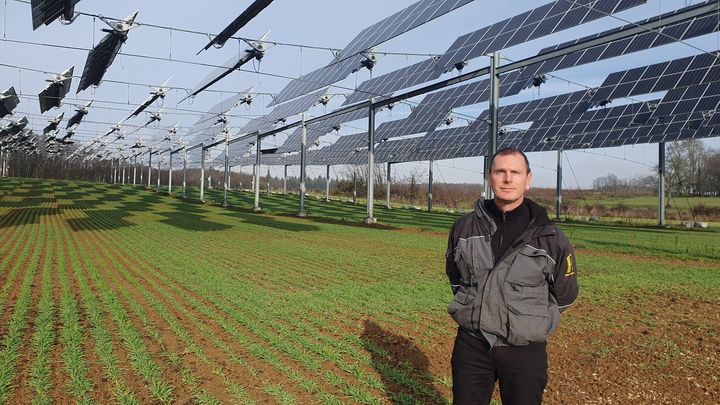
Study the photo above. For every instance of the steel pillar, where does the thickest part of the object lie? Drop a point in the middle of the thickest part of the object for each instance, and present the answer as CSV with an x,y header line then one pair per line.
x,y
285,180
184,194
493,117
170,173
661,184
123,173
227,168
202,173
558,187
258,152
134,170
303,150
150,168
371,164
430,185
355,186
327,184
387,191
158,169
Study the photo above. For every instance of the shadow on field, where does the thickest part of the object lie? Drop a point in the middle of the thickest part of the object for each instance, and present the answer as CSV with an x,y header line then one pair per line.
x,y
100,220
270,222
26,216
191,222
403,367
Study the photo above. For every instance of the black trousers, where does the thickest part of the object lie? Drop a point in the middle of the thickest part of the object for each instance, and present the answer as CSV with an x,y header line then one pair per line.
x,y
520,370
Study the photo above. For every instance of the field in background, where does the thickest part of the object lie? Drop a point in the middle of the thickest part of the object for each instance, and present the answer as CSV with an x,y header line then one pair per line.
x,y
117,294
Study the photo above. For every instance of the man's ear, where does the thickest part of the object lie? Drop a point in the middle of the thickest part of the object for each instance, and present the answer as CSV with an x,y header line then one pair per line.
x,y
527,185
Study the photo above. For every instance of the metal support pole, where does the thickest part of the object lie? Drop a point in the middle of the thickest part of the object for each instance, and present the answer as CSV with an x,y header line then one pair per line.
x,y
355,186
226,180
170,173
3,158
150,168
661,184
303,147
240,178
134,170
558,187
371,164
115,171
258,152
493,109
184,195
123,173
285,181
430,184
202,173
327,184
158,176
387,191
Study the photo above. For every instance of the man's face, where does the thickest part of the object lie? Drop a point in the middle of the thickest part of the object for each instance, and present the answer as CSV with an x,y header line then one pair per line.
x,y
509,178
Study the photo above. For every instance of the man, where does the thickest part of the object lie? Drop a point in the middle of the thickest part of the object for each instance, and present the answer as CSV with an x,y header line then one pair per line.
x,y
512,272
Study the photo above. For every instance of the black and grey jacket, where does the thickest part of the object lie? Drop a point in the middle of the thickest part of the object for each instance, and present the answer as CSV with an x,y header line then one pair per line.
x,y
515,299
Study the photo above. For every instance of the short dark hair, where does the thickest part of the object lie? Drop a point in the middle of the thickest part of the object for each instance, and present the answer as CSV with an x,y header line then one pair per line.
x,y
510,151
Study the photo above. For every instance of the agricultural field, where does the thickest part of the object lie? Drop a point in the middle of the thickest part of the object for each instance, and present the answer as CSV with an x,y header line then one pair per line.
x,y
113,294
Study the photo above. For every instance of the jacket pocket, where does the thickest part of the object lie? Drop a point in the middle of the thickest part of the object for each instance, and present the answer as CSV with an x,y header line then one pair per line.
x,y
460,308
527,323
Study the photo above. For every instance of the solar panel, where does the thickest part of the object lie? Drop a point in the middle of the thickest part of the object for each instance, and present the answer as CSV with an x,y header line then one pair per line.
x,y
80,113
257,124
156,94
251,12
697,98
47,11
53,124
317,79
223,107
297,106
348,149
658,77
386,84
544,20
8,101
103,54
435,107
350,58
255,51
235,150
314,131
54,92
542,108
404,20
395,150
697,27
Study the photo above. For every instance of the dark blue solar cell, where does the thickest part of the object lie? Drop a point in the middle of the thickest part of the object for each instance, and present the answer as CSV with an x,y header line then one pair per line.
x,y
701,26
667,82
643,87
641,42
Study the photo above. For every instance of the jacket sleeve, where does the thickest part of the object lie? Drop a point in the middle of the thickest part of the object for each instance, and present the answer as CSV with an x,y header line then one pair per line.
x,y
450,267
564,285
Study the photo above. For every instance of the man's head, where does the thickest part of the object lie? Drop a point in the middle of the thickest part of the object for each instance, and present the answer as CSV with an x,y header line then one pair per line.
x,y
509,177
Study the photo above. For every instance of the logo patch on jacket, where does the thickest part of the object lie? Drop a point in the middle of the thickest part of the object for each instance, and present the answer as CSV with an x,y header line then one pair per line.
x,y
570,270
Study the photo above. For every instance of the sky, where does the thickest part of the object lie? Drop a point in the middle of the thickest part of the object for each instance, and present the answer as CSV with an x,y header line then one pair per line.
x,y
152,54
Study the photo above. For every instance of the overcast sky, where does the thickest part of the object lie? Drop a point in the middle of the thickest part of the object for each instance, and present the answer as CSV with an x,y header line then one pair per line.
x,y
165,53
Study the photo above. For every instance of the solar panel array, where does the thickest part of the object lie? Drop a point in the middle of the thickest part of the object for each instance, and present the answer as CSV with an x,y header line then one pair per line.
x,y
8,101
404,20
659,77
541,21
47,11
386,84
349,58
647,40
344,151
562,104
